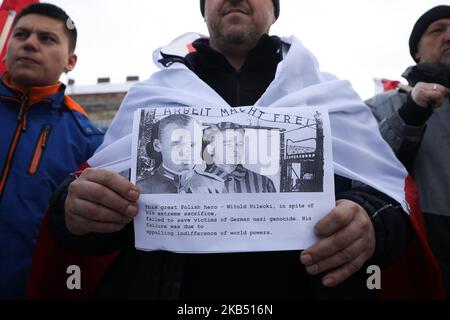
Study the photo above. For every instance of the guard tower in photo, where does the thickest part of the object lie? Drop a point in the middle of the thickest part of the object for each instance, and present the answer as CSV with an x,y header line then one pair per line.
x,y
302,161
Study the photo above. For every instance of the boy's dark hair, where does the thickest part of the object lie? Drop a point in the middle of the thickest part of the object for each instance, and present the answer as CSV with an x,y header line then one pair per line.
x,y
54,12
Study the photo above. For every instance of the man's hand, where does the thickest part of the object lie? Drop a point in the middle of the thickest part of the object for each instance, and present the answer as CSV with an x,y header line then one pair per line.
x,y
429,95
100,201
347,241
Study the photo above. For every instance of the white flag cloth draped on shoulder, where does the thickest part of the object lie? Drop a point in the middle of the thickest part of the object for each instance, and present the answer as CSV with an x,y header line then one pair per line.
x,y
359,152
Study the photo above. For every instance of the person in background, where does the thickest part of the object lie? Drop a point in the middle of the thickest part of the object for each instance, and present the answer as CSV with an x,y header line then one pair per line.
x,y
45,134
415,123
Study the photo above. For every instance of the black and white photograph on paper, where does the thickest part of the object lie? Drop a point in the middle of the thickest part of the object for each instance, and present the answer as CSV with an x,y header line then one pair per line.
x,y
230,179
179,154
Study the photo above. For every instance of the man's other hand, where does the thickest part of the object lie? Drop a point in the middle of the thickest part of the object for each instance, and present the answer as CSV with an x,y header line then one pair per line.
x,y
429,95
347,241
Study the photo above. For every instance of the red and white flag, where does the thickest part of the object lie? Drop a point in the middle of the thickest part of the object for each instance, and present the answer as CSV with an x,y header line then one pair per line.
x,y
384,85
8,11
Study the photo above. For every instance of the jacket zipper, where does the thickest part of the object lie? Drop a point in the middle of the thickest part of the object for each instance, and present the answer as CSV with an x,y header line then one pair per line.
x,y
39,150
21,127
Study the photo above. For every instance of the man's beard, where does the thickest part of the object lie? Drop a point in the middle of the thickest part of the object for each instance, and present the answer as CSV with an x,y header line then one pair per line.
x,y
239,38
445,61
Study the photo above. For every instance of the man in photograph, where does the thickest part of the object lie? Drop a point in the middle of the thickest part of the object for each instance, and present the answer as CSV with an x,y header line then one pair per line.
x,y
176,145
225,155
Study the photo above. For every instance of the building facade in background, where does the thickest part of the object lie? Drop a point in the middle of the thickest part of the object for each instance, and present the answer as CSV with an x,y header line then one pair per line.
x,y
102,100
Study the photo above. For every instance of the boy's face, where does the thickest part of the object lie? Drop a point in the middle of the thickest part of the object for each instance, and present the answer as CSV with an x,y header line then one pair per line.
x,y
38,52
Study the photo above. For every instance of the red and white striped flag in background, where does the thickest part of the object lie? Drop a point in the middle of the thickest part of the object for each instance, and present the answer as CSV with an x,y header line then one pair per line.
x,y
383,85
8,10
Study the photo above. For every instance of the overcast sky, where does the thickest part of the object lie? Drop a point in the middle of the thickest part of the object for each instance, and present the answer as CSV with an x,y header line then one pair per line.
x,y
354,39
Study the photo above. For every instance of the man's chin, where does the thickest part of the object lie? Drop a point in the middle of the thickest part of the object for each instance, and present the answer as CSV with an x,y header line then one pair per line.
x,y
446,60
238,34
26,78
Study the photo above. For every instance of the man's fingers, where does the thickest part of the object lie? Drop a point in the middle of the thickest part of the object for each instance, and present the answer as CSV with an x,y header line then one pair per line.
x,y
440,89
338,218
94,212
103,196
436,98
429,95
346,250
342,273
339,258
79,225
100,201
113,181
327,247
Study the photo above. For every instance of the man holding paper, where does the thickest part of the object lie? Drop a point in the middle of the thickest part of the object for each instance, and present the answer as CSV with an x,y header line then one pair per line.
x,y
241,65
